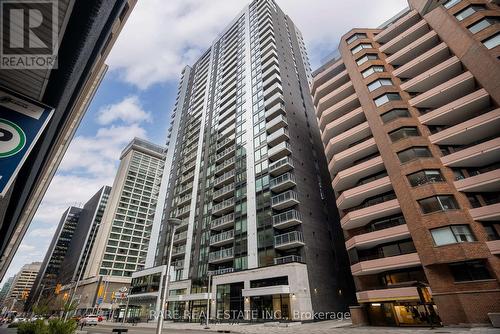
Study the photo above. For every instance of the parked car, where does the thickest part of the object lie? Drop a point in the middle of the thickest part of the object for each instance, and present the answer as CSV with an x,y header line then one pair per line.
x,y
89,320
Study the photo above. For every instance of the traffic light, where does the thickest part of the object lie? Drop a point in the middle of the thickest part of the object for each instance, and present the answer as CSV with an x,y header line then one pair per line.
x,y
58,289
25,294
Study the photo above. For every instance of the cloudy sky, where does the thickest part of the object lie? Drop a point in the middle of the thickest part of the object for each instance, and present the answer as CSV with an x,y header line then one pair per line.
x,y
138,92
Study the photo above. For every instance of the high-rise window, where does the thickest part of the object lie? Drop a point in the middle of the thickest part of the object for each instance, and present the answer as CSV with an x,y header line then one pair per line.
x,y
414,153
383,99
394,114
372,69
404,132
365,58
483,24
355,37
470,271
438,203
425,176
468,11
379,83
360,47
492,42
452,234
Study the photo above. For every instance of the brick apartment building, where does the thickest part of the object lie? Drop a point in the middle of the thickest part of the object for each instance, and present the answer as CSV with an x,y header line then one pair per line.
x,y
409,117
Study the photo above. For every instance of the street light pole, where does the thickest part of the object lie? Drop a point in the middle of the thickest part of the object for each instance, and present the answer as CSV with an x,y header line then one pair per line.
x,y
166,275
208,302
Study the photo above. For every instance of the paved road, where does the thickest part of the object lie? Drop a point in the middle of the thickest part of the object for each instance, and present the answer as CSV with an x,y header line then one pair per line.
x,y
106,330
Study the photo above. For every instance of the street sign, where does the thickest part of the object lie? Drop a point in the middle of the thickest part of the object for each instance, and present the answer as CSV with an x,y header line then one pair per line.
x,y
22,121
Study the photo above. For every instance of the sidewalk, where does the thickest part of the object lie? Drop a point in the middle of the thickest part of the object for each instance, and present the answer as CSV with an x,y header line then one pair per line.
x,y
323,327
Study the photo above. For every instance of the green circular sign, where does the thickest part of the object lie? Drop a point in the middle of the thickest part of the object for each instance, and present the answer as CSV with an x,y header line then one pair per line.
x,y
12,138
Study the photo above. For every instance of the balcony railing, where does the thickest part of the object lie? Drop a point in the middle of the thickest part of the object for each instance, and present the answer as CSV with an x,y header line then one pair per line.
x,y
220,255
225,165
222,221
285,199
287,218
286,180
288,259
221,207
284,165
221,271
224,177
279,151
293,239
221,237
225,190
373,201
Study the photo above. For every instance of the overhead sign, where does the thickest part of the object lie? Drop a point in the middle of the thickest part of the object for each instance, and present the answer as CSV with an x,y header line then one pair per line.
x,y
22,121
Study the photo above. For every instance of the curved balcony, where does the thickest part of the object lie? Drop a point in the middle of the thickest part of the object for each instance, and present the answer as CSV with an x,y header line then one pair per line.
x,y
423,62
459,110
398,27
363,216
446,92
372,239
335,97
345,158
486,213
478,155
415,49
484,182
330,85
494,246
483,126
326,74
376,266
348,178
357,195
435,76
389,294
289,240
404,39
345,140
338,110
344,123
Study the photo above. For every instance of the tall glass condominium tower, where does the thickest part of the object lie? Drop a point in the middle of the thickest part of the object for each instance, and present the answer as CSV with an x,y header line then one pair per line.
x,y
246,175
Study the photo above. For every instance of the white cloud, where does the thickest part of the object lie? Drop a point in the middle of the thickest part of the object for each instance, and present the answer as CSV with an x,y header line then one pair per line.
x,y
129,111
43,232
89,163
161,37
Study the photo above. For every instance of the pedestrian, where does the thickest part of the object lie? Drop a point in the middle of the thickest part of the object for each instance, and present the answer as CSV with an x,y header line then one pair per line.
x,y
81,325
